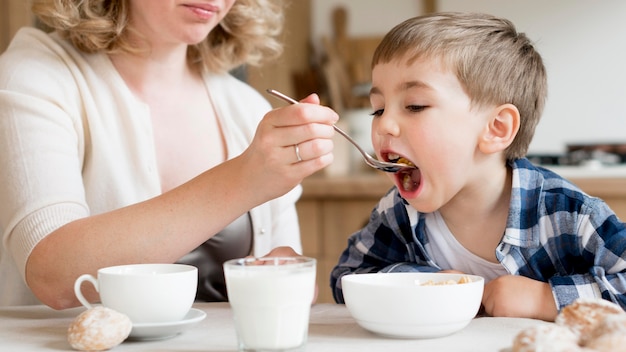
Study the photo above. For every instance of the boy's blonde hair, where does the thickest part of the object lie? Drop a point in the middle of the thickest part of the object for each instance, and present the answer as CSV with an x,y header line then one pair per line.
x,y
248,34
494,63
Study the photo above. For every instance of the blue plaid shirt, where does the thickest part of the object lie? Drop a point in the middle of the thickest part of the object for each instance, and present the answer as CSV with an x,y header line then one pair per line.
x,y
555,233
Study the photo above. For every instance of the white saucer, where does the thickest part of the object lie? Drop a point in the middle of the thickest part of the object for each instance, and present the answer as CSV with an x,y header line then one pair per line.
x,y
159,331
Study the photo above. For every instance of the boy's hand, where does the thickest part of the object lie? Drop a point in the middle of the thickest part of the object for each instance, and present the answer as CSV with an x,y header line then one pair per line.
x,y
519,296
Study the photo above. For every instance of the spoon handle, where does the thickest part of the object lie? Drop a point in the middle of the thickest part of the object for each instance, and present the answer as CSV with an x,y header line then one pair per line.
x,y
282,96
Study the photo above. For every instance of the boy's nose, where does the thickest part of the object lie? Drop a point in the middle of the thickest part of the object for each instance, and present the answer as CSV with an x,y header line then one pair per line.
x,y
386,125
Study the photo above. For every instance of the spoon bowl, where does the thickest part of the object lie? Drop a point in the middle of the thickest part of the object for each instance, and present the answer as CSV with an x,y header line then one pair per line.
x,y
369,160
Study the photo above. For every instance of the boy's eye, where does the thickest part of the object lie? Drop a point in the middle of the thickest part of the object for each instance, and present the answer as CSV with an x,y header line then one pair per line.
x,y
416,108
377,113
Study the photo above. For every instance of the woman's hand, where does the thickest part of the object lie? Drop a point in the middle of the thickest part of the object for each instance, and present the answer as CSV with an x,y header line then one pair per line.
x,y
290,143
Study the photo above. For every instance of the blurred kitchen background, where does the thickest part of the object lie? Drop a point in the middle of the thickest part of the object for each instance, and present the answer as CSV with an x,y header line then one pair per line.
x,y
328,49
329,45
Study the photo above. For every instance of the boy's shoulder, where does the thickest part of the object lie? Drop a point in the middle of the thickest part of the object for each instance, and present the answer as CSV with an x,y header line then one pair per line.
x,y
528,175
541,185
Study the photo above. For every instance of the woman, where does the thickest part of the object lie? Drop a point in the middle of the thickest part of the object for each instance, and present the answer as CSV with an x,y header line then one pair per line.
x,y
124,140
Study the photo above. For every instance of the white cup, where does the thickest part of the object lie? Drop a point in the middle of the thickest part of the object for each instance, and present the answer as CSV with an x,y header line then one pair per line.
x,y
271,300
146,293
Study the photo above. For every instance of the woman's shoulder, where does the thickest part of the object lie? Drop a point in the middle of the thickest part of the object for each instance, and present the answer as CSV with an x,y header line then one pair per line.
x,y
31,45
28,36
33,56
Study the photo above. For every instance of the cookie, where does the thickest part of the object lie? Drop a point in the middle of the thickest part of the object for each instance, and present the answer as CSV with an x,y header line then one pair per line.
x,y
584,314
548,337
98,329
609,334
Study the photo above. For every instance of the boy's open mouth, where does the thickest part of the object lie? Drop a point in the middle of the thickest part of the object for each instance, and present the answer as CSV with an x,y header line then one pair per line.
x,y
409,179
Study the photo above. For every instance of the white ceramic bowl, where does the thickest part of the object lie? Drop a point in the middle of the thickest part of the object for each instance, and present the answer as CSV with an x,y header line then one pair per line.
x,y
399,305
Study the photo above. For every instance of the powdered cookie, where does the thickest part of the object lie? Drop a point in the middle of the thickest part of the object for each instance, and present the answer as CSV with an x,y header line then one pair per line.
x,y
549,337
98,329
583,315
609,334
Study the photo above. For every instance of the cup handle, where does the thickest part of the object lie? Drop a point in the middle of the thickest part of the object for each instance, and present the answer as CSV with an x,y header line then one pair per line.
x,y
79,293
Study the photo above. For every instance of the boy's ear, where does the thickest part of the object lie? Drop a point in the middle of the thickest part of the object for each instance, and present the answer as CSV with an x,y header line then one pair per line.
x,y
500,130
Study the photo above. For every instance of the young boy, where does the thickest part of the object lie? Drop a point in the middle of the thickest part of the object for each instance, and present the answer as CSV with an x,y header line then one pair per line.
x,y
459,96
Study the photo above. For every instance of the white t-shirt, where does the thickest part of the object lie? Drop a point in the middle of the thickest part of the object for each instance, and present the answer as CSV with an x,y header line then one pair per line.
x,y
449,254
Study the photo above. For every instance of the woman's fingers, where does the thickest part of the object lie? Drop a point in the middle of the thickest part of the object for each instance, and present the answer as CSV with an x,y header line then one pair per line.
x,y
298,132
291,143
311,149
302,114
311,99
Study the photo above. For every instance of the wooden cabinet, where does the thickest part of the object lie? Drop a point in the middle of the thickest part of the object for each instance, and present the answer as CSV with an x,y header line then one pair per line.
x,y
332,208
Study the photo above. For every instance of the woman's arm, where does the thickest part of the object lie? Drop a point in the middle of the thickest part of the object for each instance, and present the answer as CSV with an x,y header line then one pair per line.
x,y
166,227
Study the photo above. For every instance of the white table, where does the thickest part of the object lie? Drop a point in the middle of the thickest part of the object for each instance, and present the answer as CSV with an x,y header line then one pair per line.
x,y
39,328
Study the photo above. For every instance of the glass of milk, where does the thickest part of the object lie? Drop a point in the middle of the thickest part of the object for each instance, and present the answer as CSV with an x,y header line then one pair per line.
x,y
271,300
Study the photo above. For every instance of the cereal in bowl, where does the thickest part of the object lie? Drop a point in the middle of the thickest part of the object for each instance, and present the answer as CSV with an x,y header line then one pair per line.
x,y
462,280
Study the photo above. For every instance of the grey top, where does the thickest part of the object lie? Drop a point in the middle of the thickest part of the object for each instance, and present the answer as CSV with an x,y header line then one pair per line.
x,y
234,241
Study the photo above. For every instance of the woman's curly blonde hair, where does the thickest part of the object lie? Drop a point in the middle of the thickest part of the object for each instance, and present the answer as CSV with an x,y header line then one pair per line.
x,y
248,34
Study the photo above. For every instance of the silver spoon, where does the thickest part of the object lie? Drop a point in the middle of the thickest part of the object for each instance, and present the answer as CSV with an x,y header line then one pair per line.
x,y
369,160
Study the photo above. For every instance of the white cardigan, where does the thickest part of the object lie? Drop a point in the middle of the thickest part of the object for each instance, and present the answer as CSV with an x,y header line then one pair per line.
x,y
74,141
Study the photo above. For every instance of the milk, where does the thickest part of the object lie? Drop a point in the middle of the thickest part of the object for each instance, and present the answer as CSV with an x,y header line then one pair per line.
x,y
271,307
